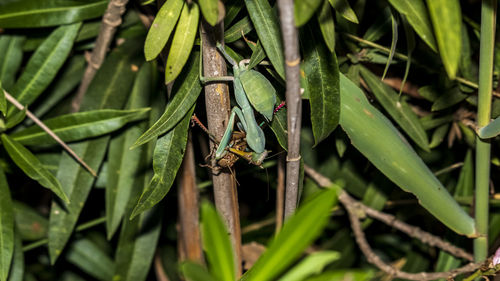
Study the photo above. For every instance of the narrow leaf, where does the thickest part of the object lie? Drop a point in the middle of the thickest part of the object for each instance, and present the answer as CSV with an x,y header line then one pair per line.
x,y
10,61
210,10
297,233
394,41
446,18
465,184
80,126
36,13
240,28
90,258
418,17
327,25
186,92
6,228
341,275
376,138
167,158
266,24
183,41
17,266
162,27
322,74
449,98
32,167
279,127
312,264
217,244
304,10
195,272
258,54
491,130
3,100
342,7
44,64
399,110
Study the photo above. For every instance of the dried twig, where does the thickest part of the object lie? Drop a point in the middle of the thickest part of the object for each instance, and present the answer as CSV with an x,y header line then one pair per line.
x,y
293,102
355,208
49,132
110,21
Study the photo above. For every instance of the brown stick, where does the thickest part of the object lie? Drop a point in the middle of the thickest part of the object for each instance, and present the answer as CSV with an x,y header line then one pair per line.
x,y
218,108
110,21
293,103
280,194
188,207
51,133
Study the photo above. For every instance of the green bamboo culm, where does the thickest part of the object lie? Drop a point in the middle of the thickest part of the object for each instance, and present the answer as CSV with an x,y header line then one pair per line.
x,y
483,148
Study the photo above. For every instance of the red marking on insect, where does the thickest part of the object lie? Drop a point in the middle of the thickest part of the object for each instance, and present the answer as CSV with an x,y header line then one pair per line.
x,y
281,105
195,120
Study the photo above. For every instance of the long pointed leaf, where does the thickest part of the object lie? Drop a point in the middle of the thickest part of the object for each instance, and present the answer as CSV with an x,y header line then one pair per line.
x,y
44,64
304,10
10,61
210,10
491,130
312,264
342,7
195,272
327,25
376,138
267,27
6,228
90,258
17,266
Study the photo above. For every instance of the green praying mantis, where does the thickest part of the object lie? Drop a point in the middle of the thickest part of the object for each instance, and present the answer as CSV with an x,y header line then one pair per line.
x,y
252,91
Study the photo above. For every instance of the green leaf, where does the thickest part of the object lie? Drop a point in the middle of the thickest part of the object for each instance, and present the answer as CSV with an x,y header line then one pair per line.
x,y
375,199
162,27
491,130
210,10
17,266
312,264
260,92
446,262
376,138
187,89
298,232
342,7
121,175
449,98
438,135
380,27
90,258
6,228
35,13
266,24
447,21
3,101
167,158
235,32
44,64
195,272
322,74
12,56
279,127
258,54
30,225
183,41
217,244
304,10
109,89
16,118
232,10
399,110
341,275
327,25
32,167
394,41
80,126
418,17
465,184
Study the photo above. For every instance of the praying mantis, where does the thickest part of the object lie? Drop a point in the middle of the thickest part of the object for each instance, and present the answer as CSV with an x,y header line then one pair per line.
x,y
251,90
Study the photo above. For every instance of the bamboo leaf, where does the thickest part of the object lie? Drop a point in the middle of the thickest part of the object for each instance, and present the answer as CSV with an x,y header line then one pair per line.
x,y
322,74
399,110
297,233
342,7
266,24
6,228
195,272
186,92
491,130
449,98
162,27
183,41
12,56
120,177
217,244
80,126
240,28
447,21
90,258
340,275
30,225
380,27
465,184
109,89
418,17
32,167
44,64
438,135
312,264
394,41
167,158
376,138
304,10
35,13
327,25
210,10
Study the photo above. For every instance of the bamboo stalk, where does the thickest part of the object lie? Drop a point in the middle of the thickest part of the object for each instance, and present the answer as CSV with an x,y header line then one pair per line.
x,y
483,147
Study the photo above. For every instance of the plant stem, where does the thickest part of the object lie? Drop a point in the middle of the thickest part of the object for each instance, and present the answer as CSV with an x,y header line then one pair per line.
x,y
293,103
483,147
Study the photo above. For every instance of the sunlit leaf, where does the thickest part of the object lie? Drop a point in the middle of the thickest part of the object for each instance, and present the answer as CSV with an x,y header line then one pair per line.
x,y
342,7
312,264
304,10
210,10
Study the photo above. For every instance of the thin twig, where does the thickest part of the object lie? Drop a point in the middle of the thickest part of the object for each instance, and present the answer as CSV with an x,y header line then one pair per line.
x,y
257,225
160,273
293,101
280,193
110,21
390,220
49,132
